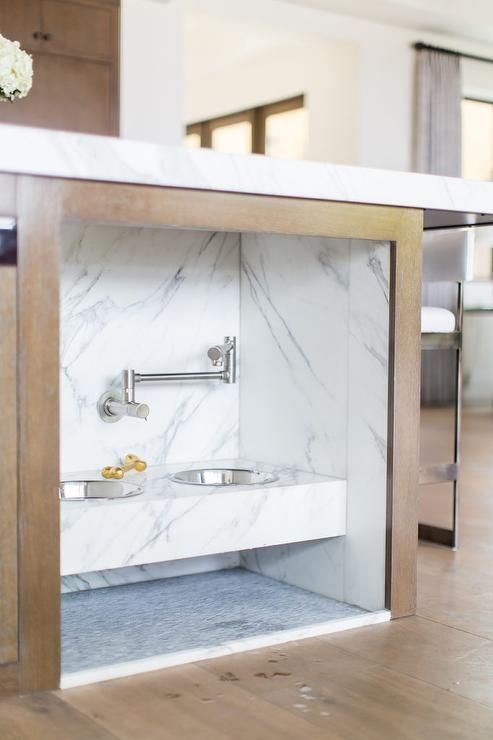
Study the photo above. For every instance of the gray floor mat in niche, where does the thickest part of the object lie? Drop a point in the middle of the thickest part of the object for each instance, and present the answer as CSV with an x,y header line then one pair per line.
x,y
124,623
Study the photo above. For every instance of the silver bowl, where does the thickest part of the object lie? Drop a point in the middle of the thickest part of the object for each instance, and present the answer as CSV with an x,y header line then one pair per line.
x,y
83,490
223,477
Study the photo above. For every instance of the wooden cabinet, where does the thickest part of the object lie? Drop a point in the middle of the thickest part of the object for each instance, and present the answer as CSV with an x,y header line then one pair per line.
x,y
73,94
79,29
75,49
20,21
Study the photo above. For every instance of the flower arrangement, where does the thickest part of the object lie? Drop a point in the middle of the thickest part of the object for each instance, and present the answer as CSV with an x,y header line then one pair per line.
x,y
16,70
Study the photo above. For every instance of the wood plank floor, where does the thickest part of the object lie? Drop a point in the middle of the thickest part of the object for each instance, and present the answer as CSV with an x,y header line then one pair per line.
x,y
424,677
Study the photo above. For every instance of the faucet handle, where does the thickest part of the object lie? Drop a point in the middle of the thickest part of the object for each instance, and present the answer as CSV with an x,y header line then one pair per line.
x,y
132,462
224,356
216,355
219,353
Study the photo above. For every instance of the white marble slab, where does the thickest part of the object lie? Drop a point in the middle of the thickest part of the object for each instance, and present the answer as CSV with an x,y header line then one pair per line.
x,y
153,300
313,329
317,312
54,153
368,372
172,521
148,572
294,333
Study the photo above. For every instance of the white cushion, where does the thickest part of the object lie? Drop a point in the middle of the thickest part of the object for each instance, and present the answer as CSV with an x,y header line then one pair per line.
x,y
436,320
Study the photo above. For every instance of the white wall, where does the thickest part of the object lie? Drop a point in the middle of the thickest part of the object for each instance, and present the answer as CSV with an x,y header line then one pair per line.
x,y
151,85
357,75
477,79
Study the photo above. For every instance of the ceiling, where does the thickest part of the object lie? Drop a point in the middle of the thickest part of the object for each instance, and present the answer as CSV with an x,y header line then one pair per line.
x,y
466,18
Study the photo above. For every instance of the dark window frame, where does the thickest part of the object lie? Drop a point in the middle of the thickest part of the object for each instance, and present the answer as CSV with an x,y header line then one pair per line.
x,y
255,116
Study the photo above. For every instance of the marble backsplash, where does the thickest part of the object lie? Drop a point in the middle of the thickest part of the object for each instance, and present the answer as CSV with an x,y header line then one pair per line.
x,y
294,331
311,315
153,300
148,572
317,312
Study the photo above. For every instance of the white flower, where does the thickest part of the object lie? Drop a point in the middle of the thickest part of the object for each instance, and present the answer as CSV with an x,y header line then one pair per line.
x,y
16,70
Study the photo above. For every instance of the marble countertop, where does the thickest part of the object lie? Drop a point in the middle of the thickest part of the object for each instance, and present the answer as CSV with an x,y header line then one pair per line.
x,y
59,154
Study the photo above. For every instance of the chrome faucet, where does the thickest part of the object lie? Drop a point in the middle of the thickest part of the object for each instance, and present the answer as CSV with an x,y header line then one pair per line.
x,y
115,404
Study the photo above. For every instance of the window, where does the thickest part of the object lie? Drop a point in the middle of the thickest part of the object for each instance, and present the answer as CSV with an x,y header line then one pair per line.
x,y
278,130
477,139
233,137
192,140
286,133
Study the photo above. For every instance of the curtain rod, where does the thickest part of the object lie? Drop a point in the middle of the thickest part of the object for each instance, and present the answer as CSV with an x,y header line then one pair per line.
x,y
419,45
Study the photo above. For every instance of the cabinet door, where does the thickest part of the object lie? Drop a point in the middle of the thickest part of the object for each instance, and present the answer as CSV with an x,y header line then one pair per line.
x,y
20,20
68,93
85,28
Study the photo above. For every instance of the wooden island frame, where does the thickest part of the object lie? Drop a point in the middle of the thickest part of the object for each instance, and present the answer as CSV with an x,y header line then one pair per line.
x,y
29,378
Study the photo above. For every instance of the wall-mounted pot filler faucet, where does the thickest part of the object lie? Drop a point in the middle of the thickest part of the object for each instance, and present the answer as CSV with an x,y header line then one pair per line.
x,y
119,402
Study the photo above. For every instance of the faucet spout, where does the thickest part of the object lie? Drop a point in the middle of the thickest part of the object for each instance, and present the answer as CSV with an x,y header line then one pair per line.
x,y
115,404
128,408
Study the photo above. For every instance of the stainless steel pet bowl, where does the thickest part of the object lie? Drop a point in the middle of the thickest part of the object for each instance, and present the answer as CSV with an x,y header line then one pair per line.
x,y
83,490
223,477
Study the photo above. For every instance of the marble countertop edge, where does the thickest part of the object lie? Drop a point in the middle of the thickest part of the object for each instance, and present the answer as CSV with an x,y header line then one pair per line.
x,y
158,486
48,153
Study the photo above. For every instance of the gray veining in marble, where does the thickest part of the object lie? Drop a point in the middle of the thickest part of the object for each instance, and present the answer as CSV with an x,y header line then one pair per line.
x,y
62,154
311,315
153,300
367,424
125,623
172,521
319,309
294,328
148,572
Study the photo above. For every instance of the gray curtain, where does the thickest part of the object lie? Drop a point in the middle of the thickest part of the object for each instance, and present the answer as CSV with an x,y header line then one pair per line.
x,y
438,113
438,152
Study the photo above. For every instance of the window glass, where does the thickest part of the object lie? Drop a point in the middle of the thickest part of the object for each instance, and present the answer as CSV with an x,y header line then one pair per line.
x,y
234,138
286,134
192,140
477,140
279,129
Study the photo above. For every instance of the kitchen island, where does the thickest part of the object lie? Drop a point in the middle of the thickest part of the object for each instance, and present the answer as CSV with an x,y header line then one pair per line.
x,y
314,268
